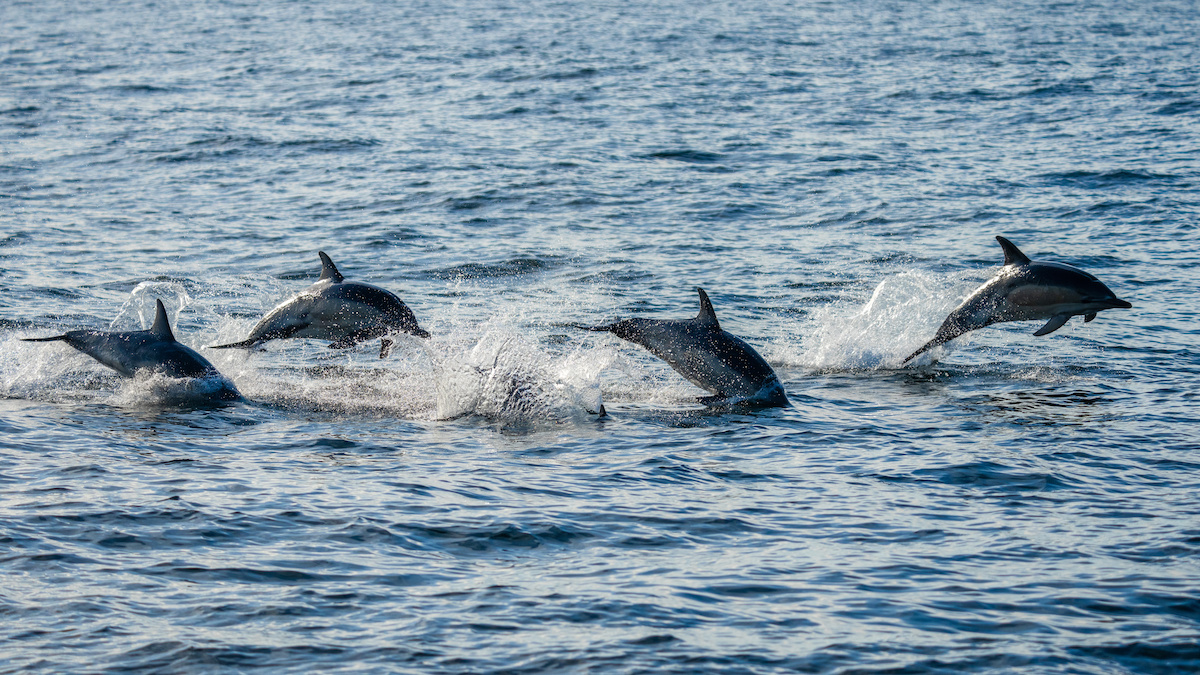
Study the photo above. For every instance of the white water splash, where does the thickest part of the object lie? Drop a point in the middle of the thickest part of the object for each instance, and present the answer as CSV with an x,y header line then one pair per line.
x,y
902,313
504,376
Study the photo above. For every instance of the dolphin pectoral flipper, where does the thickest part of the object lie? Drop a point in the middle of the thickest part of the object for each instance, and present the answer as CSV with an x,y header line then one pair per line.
x,y
385,348
1053,324
1088,317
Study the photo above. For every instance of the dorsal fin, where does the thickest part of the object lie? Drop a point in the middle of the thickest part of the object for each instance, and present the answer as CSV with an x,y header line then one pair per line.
x,y
707,315
328,270
161,328
1012,254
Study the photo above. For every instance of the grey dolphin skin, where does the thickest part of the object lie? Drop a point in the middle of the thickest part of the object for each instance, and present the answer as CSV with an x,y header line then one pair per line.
x,y
345,312
1027,290
155,350
706,356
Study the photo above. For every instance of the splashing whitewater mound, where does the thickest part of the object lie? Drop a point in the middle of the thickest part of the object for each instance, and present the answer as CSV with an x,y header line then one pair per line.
x,y
902,313
504,377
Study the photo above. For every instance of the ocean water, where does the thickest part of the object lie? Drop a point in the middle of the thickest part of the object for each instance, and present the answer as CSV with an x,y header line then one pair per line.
x,y
833,174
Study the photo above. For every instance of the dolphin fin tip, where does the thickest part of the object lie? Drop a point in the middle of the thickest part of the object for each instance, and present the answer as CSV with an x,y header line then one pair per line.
x,y
162,327
328,269
707,313
1012,254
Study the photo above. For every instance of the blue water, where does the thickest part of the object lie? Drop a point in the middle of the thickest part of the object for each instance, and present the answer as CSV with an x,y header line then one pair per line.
x,y
833,174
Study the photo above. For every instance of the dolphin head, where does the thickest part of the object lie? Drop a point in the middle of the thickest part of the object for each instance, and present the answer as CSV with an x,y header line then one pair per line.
x,y
1073,281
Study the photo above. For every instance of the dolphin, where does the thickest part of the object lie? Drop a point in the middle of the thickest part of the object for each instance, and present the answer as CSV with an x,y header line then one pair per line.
x,y
154,350
706,356
346,312
1027,290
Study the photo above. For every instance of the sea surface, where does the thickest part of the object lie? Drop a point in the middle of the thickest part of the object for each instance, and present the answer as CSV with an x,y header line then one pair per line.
x,y
833,174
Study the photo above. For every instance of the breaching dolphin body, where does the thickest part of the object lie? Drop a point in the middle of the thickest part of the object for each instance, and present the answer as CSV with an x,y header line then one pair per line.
x,y
706,356
155,350
1027,290
345,312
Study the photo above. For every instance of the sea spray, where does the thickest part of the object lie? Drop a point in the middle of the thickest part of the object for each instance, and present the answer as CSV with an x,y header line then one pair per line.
x,y
903,311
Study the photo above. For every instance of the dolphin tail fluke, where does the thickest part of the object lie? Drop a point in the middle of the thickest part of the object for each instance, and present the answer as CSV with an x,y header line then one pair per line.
x,y
926,347
950,329
244,344
46,339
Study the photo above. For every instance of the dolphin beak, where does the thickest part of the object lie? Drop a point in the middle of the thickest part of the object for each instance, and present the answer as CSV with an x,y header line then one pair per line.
x,y
1111,302
421,333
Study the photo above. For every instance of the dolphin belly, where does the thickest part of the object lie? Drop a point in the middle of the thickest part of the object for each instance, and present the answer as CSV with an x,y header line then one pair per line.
x,y
341,321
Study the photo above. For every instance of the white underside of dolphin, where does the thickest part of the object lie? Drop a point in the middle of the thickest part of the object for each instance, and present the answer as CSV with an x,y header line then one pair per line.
x,y
1027,290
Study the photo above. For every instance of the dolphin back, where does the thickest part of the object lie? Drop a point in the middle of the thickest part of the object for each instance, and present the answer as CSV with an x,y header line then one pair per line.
x,y
131,351
127,352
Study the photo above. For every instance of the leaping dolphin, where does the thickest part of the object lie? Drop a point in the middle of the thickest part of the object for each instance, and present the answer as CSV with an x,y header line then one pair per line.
x,y
706,356
155,350
346,312
1027,290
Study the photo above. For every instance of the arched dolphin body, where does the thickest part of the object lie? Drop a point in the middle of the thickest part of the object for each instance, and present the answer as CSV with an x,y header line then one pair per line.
x,y
154,350
706,356
346,312
1026,290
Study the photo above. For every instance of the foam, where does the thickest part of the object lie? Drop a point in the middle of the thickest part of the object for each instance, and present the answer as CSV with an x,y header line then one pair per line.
x,y
902,312
502,375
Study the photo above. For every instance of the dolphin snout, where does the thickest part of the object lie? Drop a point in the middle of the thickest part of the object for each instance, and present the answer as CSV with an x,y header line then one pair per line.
x,y
1113,302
